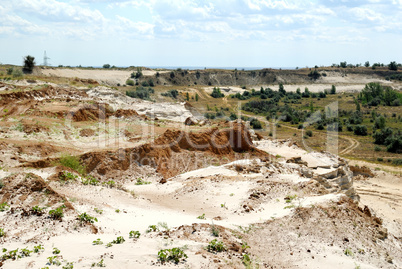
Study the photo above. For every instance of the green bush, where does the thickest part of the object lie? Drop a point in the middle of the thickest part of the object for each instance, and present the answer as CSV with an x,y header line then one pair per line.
x,y
130,82
134,234
141,93
360,130
29,64
175,254
171,93
57,214
309,133
216,93
216,246
397,161
2,233
72,162
84,217
4,206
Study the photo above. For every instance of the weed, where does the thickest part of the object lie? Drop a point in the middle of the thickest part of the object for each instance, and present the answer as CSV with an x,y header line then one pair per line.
x,y
38,249
152,228
231,194
117,211
164,225
99,211
202,216
224,205
110,244
99,264
53,261
25,252
174,254
36,210
69,265
134,234
4,207
142,182
67,177
84,217
2,233
214,231
90,180
290,198
57,213
348,252
361,251
56,251
119,240
72,162
1,183
110,184
97,242
216,246
246,260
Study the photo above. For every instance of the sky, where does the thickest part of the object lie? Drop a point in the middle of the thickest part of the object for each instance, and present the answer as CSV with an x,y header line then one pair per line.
x,y
219,33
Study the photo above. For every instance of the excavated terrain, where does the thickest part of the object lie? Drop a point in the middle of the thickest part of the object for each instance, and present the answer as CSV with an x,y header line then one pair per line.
x,y
91,177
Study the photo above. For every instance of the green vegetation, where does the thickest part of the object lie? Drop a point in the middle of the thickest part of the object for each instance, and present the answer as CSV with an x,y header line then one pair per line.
x,y
84,217
4,207
152,228
98,264
72,162
90,180
216,93
175,254
216,246
56,251
142,182
57,214
134,234
171,93
202,216
97,242
2,233
141,93
29,64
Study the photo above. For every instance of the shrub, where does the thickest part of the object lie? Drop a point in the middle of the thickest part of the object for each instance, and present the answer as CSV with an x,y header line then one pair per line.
x,y
360,130
36,210
57,214
394,143
333,89
397,161
152,228
380,159
72,162
216,93
377,148
141,93
380,135
84,217
393,66
130,82
216,246
255,124
309,133
134,234
2,233
106,66
4,206
171,93
174,254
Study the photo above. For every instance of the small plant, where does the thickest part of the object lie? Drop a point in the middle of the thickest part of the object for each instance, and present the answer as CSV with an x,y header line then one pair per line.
x,y
90,180
57,214
72,162
224,205
163,225
134,234
214,231
38,249
152,228
56,251
4,207
25,252
348,252
119,240
117,211
84,217
202,216
99,211
290,198
216,246
110,244
97,242
2,233
99,264
69,265
142,182
174,254
36,210
110,184
53,261
246,260
67,177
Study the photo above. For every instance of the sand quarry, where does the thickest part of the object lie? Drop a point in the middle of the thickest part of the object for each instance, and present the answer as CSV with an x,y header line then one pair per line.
x,y
222,196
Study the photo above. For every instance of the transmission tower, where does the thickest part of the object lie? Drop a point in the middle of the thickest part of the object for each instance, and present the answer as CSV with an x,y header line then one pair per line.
x,y
45,58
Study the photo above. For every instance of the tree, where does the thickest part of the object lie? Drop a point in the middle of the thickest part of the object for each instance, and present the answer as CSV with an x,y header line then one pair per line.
x,y
333,89
367,64
187,96
216,93
29,64
343,64
106,66
196,97
393,66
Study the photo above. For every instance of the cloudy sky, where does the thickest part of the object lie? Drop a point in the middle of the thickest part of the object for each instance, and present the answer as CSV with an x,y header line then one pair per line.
x,y
220,33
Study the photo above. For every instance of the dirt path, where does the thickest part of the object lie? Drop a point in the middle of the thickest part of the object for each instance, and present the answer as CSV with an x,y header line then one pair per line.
x,y
353,144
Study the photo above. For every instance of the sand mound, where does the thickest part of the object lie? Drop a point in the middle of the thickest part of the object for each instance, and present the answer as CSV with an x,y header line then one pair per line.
x,y
87,132
28,190
90,112
125,113
172,148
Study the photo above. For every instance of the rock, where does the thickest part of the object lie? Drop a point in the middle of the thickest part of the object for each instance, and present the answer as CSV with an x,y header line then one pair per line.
x,y
297,160
191,121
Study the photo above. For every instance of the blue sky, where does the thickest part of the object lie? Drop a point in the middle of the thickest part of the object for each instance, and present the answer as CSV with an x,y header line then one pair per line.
x,y
236,33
